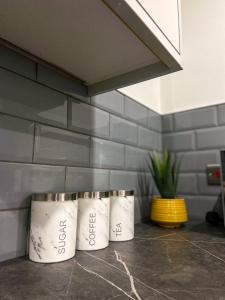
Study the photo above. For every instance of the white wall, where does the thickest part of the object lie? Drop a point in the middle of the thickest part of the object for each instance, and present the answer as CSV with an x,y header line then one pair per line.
x,y
147,93
202,82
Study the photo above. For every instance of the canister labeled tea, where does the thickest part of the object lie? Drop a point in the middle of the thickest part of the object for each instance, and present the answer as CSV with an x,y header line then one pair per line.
x,y
53,227
93,220
121,215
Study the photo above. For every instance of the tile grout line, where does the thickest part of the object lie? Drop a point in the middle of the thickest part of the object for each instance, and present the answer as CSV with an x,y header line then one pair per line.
x,y
34,142
68,106
65,178
79,131
78,99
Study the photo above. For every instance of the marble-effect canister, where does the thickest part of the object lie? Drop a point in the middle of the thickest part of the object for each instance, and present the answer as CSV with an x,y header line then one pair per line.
x,y
121,215
53,227
93,220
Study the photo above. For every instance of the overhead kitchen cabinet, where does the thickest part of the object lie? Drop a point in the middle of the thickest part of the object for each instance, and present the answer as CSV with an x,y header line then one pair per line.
x,y
107,44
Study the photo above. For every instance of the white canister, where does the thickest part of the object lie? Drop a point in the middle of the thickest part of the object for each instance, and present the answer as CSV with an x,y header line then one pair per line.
x,y
121,215
93,220
53,227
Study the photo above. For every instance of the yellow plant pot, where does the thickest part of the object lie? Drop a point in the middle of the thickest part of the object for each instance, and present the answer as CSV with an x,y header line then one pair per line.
x,y
169,213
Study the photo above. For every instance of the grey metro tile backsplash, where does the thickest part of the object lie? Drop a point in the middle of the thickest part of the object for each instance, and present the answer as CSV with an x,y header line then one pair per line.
x,y
122,180
63,147
13,230
136,159
136,111
149,139
182,141
86,179
111,101
221,114
154,121
204,188
198,118
107,154
30,100
211,138
141,183
88,144
18,181
123,130
188,184
88,119
197,161
17,139
167,123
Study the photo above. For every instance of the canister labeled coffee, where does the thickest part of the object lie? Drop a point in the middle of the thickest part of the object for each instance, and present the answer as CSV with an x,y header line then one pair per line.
x,y
121,215
93,220
53,227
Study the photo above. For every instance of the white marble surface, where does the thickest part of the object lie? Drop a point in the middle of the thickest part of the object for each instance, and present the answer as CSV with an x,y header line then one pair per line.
x,y
53,231
121,218
93,224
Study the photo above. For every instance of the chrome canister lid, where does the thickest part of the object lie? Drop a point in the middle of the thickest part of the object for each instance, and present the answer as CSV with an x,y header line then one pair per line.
x,y
121,193
57,197
93,195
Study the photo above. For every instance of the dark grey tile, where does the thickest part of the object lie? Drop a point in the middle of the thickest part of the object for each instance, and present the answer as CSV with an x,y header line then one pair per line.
x,y
198,160
122,130
167,123
136,111
199,205
221,114
30,100
140,183
89,119
123,180
149,139
137,210
63,83
13,231
212,138
197,118
146,185
16,62
107,154
58,146
135,158
154,121
187,184
18,181
85,179
205,189
179,141
112,101
17,139
141,208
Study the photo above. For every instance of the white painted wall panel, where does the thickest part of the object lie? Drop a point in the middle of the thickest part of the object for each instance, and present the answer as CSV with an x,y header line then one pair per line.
x,y
165,15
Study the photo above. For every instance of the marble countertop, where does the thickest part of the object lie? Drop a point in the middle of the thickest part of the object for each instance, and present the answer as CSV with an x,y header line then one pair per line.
x,y
186,263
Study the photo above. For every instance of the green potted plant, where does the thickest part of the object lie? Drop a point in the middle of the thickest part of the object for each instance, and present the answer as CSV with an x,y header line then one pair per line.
x,y
168,210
